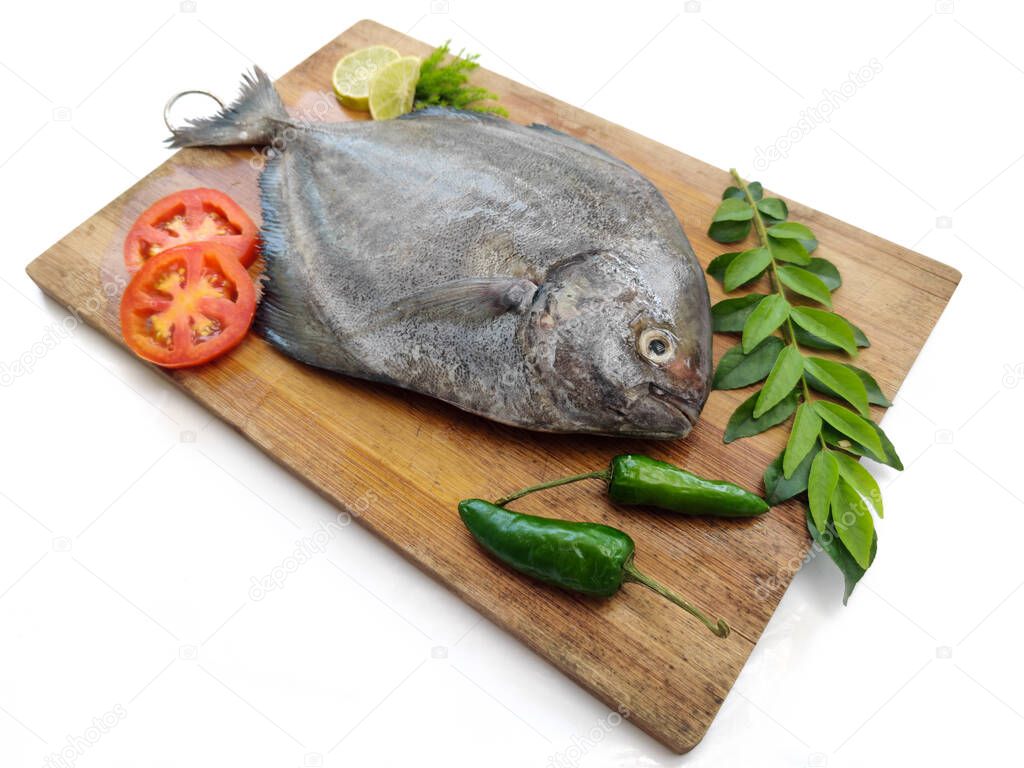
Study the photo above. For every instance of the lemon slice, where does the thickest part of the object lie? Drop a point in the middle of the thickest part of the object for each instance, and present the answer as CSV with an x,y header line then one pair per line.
x,y
353,73
392,91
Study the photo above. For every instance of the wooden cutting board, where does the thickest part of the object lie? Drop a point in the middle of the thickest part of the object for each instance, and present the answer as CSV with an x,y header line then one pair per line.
x,y
401,462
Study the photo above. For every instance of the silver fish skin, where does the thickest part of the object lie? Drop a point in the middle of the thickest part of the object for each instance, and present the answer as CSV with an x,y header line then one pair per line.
x,y
513,271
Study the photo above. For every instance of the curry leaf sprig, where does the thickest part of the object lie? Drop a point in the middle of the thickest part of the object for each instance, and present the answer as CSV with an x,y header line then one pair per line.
x,y
446,85
827,399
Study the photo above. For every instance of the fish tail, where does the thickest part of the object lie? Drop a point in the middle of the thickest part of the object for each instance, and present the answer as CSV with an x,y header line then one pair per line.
x,y
252,119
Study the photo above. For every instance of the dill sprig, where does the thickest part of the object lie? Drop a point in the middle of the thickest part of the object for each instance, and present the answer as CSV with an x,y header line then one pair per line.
x,y
446,85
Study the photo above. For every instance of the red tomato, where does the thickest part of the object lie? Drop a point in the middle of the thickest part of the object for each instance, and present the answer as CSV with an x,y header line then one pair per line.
x,y
190,216
188,305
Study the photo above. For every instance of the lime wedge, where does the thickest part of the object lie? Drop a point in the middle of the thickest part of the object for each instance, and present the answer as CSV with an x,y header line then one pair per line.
x,y
353,73
392,91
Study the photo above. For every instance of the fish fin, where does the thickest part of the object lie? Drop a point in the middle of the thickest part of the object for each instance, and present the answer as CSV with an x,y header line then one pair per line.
x,y
475,298
466,114
285,316
565,138
253,118
490,117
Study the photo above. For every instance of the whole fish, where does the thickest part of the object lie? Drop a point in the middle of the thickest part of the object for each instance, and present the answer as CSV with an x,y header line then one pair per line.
x,y
513,271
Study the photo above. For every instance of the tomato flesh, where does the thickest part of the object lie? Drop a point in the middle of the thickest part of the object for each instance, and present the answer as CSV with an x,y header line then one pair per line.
x,y
188,305
190,216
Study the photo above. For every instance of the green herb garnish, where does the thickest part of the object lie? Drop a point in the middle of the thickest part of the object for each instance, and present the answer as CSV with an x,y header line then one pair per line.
x,y
446,85
827,434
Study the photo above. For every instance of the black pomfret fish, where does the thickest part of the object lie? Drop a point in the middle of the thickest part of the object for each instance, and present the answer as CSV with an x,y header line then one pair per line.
x,y
513,271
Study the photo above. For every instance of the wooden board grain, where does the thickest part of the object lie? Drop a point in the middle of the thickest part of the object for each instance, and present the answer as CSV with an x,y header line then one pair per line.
x,y
400,462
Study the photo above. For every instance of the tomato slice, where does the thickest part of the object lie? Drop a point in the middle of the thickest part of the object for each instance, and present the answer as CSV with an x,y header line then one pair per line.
x,y
190,216
188,305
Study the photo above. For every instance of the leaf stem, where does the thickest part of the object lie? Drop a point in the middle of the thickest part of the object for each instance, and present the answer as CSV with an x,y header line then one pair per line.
x,y
604,474
779,288
719,628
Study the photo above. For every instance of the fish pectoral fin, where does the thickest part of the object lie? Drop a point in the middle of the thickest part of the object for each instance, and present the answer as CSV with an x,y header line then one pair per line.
x,y
475,298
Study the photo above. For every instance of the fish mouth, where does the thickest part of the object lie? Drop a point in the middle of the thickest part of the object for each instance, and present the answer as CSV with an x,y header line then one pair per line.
x,y
657,413
677,402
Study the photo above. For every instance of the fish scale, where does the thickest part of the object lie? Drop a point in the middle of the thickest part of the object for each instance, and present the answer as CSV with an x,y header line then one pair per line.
x,y
513,271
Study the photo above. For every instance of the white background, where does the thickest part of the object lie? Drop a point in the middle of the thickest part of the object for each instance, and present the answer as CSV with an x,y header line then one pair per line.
x,y
132,523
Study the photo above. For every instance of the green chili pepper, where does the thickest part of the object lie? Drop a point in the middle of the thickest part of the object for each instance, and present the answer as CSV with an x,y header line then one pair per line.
x,y
643,480
590,558
635,479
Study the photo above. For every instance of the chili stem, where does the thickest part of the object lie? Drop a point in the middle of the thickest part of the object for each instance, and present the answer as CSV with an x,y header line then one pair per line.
x,y
604,474
762,235
632,574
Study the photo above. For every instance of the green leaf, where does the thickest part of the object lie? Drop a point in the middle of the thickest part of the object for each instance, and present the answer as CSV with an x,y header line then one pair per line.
x,y
769,314
806,284
729,231
802,437
718,264
743,424
821,484
807,339
875,394
784,376
826,325
826,272
857,475
778,488
830,544
732,209
871,388
850,424
730,315
789,250
774,207
889,456
791,230
853,522
745,267
892,459
756,191
837,380
737,369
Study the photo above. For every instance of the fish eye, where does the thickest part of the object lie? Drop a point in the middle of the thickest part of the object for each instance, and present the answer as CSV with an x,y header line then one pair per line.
x,y
656,346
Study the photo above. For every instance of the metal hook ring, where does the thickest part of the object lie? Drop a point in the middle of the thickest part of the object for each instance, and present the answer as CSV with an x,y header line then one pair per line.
x,y
174,100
